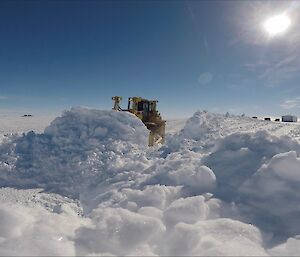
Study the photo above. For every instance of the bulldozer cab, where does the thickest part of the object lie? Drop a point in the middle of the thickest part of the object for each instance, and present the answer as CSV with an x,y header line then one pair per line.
x,y
146,111
143,108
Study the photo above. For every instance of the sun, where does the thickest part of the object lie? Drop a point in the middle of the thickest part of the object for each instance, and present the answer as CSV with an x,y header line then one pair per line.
x,y
277,24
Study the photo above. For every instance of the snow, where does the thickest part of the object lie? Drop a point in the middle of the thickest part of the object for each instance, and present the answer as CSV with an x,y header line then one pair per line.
x,y
17,124
87,184
273,193
237,157
203,128
118,231
214,238
94,126
71,151
183,169
188,210
173,126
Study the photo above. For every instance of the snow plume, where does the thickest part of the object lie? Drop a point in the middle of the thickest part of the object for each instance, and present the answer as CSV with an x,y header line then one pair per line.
x,y
209,191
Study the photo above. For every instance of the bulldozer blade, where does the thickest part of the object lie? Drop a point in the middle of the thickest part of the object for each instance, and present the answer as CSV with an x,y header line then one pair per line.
x,y
157,134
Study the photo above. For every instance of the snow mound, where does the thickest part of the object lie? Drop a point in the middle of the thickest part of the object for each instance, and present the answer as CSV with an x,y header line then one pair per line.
x,y
75,150
203,128
260,174
183,169
237,157
81,126
203,125
272,195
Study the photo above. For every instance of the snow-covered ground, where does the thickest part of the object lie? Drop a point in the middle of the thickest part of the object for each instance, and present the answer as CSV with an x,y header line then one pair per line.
x,y
87,184
18,124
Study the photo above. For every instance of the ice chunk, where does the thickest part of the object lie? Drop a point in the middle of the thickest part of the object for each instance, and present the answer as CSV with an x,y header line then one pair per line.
x,y
118,231
188,210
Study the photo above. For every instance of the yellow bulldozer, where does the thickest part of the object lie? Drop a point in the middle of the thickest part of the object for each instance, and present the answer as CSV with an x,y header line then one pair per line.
x,y
146,111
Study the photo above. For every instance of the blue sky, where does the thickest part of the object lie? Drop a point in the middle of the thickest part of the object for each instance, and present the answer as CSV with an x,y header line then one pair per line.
x,y
190,55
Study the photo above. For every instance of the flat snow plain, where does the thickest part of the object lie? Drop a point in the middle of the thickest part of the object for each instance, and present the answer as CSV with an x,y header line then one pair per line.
x,y
87,184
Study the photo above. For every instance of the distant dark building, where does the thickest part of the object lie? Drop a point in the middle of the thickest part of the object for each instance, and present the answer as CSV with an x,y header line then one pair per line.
x,y
268,119
27,115
289,118
277,119
254,117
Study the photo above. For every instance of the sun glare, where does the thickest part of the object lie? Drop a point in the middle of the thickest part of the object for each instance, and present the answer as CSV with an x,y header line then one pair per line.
x,y
277,24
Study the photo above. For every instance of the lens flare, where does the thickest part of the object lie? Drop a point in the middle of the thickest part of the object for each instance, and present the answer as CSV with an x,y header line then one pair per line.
x,y
277,24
